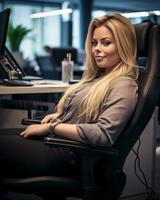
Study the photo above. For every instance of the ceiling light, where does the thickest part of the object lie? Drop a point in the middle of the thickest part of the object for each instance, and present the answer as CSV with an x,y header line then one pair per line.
x,y
136,14
157,12
51,13
141,14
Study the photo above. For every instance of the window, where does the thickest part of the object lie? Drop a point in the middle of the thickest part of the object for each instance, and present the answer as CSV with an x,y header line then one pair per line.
x,y
51,29
45,31
76,28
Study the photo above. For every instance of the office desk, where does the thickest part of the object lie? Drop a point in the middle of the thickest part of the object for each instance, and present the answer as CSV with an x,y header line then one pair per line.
x,y
42,86
11,117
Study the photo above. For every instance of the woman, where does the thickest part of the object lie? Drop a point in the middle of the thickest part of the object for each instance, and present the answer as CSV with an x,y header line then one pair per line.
x,y
107,93
93,111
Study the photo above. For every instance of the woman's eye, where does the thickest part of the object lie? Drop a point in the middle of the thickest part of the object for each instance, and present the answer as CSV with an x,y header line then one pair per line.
x,y
106,42
94,43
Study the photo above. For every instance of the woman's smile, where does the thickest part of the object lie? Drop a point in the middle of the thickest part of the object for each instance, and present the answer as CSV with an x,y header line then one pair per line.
x,y
99,58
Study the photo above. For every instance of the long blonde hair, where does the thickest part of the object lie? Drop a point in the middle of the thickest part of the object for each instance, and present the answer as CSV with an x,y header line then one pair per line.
x,y
125,39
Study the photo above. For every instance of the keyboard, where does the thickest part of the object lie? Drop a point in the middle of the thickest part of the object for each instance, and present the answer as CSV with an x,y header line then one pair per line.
x,y
8,82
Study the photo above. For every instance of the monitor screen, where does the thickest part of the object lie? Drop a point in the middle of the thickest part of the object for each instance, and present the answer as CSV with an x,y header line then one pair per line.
x,y
4,19
7,61
9,68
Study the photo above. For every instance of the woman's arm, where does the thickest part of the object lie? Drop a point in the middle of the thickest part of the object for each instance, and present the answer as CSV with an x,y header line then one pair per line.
x,y
68,131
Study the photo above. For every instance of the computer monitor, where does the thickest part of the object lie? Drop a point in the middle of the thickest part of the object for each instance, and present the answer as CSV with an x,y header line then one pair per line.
x,y
4,19
9,68
8,64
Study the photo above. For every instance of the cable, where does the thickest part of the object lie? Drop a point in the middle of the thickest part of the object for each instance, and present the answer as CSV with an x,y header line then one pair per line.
x,y
149,190
137,166
132,195
137,162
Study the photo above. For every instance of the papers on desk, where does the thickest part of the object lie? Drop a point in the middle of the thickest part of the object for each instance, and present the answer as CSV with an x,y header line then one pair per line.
x,y
48,82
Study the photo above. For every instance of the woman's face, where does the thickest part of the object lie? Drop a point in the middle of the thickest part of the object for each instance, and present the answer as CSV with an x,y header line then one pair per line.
x,y
104,49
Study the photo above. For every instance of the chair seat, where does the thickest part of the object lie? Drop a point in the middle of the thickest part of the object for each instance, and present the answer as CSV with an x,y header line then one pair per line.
x,y
43,185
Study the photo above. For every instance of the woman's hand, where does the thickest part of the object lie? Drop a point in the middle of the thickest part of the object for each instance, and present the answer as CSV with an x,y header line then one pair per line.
x,y
49,117
35,129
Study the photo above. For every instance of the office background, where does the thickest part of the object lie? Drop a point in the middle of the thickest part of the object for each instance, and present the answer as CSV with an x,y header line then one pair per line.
x,y
61,31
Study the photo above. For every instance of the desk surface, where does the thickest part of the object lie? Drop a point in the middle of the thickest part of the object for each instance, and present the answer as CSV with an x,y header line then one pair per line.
x,y
42,86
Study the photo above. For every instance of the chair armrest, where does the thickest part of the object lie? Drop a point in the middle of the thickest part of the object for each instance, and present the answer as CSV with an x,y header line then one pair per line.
x,y
80,146
72,144
30,121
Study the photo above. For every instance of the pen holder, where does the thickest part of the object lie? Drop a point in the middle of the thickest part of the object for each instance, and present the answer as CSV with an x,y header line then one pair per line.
x,y
67,71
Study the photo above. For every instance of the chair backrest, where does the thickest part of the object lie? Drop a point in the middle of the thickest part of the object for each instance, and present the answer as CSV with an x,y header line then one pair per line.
x,y
148,40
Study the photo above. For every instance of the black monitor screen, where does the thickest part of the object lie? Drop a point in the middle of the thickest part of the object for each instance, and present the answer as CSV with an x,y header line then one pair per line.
x,y
4,19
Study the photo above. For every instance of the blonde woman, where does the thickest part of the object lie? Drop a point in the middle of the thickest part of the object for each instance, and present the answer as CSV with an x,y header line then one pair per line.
x,y
96,109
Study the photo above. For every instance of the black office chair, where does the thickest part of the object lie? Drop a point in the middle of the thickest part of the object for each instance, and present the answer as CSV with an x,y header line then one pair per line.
x,y
101,173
